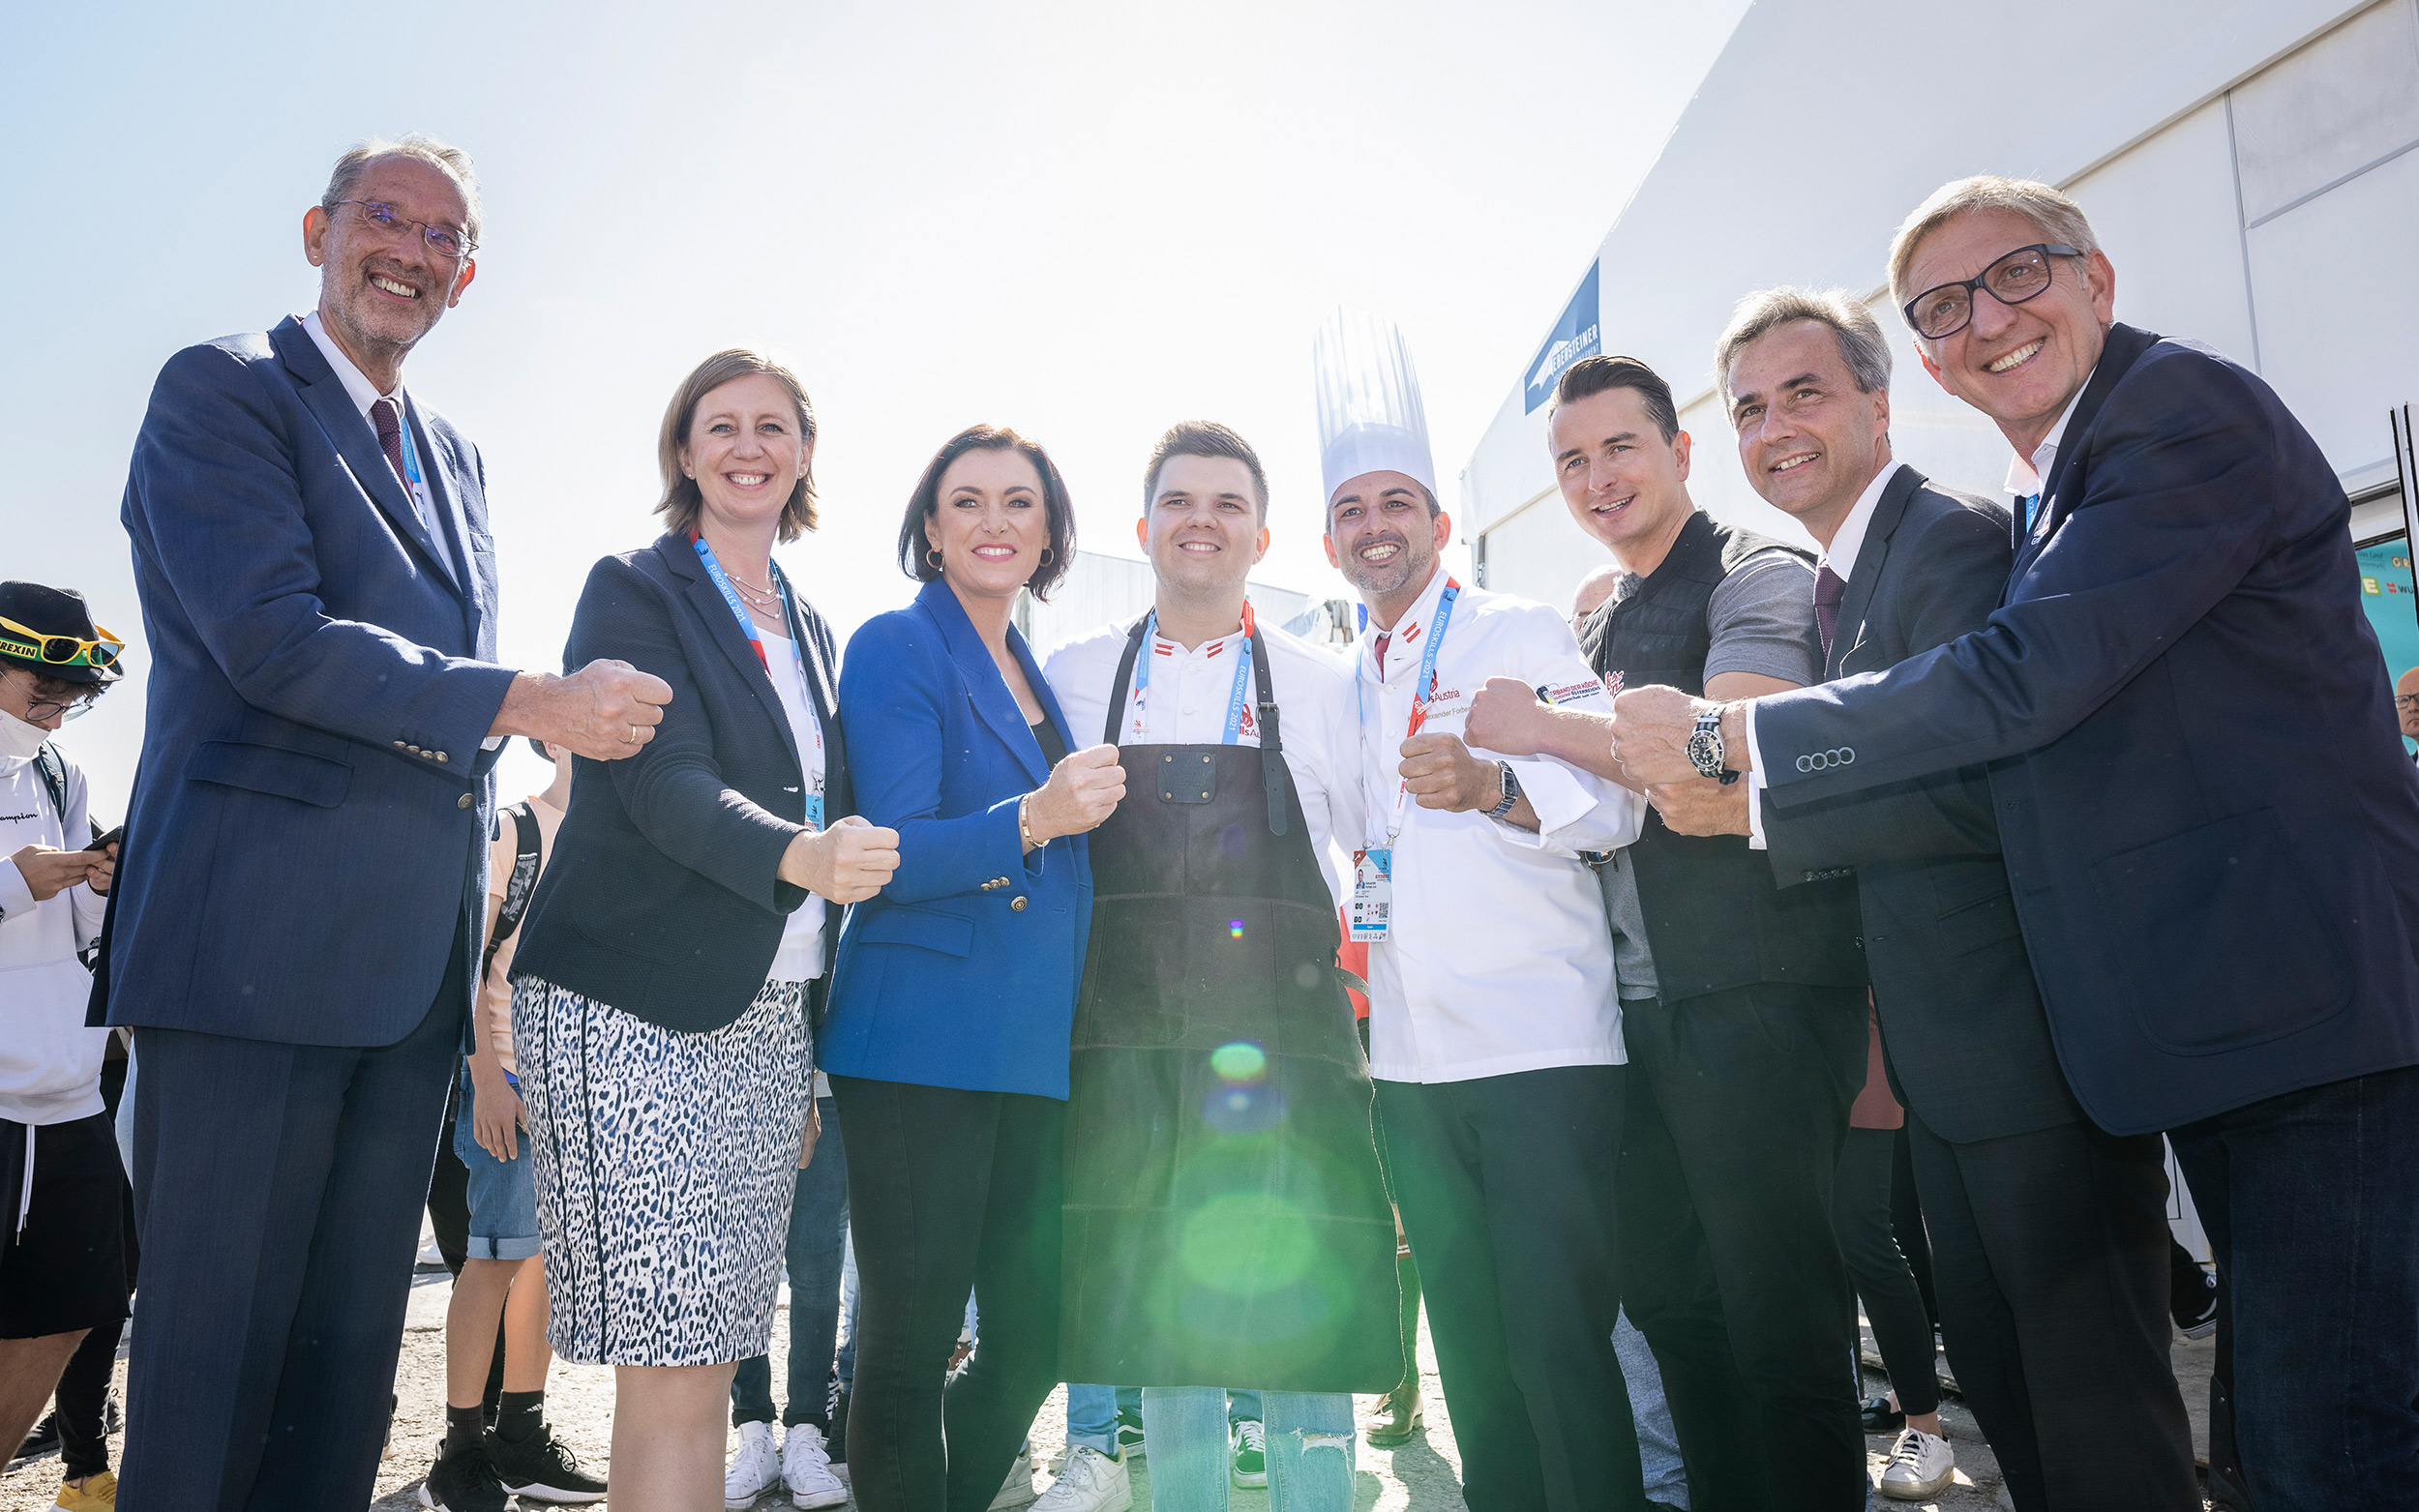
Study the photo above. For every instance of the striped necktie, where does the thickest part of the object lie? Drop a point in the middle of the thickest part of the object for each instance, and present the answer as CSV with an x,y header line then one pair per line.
x,y
384,415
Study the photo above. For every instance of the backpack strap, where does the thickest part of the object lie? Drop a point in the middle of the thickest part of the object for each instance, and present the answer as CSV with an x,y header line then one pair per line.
x,y
517,887
53,777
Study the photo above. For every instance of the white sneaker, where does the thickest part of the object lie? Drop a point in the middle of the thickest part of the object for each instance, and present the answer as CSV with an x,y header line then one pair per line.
x,y
755,1469
1018,1489
1920,1465
806,1468
1091,1482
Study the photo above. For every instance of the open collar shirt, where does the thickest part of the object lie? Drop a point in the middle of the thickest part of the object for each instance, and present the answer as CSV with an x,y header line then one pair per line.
x,y
1185,704
1497,959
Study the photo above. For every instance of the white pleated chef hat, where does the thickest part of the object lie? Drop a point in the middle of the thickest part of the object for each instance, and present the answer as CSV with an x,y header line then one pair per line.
x,y
1370,419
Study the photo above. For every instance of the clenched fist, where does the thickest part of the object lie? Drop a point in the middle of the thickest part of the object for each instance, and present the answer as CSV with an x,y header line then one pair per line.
x,y
1651,729
604,711
1082,793
1440,772
846,863
1507,716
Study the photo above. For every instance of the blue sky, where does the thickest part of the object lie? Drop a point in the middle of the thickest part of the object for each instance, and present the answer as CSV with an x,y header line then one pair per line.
x,y
1086,221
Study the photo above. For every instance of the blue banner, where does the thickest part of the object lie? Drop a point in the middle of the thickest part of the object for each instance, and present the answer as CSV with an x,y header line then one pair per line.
x,y
1574,336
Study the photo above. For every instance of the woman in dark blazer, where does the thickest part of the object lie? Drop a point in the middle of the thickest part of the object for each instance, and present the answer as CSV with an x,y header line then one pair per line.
x,y
947,1041
663,983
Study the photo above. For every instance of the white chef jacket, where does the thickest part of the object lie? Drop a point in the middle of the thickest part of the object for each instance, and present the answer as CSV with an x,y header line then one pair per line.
x,y
1498,958
49,1062
1185,704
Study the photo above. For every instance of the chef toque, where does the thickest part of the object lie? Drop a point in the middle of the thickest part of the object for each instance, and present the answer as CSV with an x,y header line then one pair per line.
x,y
1370,419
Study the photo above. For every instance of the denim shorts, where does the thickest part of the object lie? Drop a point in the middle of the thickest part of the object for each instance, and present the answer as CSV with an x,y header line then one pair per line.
x,y
503,1194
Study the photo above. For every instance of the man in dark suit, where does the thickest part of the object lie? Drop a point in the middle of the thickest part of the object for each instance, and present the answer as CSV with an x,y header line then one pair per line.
x,y
2048,1234
294,931
2211,835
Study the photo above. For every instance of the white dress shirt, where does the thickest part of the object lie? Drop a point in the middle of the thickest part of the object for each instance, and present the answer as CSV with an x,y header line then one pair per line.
x,y
800,958
1497,959
1840,558
1185,703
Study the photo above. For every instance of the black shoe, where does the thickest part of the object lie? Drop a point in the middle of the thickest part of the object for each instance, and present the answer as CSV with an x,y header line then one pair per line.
x,y
540,1468
2193,1302
44,1440
1880,1417
836,1439
462,1481
1130,1444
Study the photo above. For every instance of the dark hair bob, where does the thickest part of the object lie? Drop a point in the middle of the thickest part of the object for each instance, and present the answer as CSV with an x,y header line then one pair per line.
x,y
926,499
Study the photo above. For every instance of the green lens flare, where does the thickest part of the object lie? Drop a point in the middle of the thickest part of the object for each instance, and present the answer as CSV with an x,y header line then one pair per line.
x,y
1241,1062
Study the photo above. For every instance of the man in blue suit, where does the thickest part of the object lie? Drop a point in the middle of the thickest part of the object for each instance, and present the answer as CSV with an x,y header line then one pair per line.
x,y
2210,830
294,932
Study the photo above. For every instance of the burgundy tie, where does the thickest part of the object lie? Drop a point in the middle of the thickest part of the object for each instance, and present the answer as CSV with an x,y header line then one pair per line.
x,y
1829,590
383,414
1383,638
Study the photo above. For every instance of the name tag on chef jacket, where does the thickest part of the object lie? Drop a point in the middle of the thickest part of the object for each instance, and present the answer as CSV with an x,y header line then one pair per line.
x,y
1372,907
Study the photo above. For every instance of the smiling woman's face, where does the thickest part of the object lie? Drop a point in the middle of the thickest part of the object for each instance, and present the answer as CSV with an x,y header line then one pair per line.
x,y
990,524
746,451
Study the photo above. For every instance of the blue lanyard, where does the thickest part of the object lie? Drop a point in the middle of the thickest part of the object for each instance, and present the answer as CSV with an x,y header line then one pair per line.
x,y
747,621
1421,692
412,454
1235,700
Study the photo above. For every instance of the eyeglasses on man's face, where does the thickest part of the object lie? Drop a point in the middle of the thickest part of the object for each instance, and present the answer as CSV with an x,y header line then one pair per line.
x,y
39,709
2023,274
2405,702
443,240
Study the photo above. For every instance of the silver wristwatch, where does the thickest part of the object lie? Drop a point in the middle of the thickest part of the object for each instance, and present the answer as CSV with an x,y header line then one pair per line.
x,y
1512,793
1705,747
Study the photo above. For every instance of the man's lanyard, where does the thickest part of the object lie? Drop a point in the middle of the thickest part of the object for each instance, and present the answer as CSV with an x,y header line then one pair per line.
x,y
1235,701
756,636
1421,692
414,480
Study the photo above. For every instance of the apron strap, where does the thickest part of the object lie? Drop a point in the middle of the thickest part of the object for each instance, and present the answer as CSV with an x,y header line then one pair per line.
x,y
1122,687
1272,744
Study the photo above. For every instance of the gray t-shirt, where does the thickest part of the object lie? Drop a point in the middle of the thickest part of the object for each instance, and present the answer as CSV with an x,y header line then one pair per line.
x,y
1762,619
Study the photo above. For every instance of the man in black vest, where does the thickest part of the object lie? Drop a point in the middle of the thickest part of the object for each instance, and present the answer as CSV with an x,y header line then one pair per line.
x,y
1743,1004
2049,1238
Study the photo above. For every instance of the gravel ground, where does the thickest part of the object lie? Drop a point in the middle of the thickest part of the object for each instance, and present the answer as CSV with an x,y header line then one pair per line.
x,y
1422,1476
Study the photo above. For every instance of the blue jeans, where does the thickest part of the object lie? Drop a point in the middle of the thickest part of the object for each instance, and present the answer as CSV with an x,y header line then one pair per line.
x,y
1091,1414
1309,1447
813,1255
1658,1446
2308,1201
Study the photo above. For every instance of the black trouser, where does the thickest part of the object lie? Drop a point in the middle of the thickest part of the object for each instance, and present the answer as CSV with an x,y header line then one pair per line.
x,y
82,1395
949,1191
1738,1108
1859,1219
1506,1189
2049,1251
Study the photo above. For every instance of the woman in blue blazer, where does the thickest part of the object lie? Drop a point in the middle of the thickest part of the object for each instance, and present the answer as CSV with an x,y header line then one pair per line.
x,y
954,994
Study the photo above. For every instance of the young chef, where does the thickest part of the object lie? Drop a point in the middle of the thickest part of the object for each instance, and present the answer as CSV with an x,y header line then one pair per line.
x,y
1226,1223
1495,1028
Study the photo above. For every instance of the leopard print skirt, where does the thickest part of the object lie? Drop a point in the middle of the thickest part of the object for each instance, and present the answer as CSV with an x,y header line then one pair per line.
x,y
666,1163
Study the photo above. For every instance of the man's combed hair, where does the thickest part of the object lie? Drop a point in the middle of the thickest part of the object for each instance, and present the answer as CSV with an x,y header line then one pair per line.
x,y
1590,376
455,161
2059,218
1205,438
1860,344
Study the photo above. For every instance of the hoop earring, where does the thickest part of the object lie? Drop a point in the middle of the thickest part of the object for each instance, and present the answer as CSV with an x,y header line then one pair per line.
x,y
1045,556
932,559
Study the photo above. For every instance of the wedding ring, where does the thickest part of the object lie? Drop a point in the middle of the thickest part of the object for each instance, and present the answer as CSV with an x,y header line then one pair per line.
x,y
634,736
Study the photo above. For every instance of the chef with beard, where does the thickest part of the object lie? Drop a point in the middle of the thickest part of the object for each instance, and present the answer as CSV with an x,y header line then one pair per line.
x,y
1495,1023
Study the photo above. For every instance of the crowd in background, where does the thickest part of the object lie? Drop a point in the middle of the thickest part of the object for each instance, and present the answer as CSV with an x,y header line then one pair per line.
x,y
1648,988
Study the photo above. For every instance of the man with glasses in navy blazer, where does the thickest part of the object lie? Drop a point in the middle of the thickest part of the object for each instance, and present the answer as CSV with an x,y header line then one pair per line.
x,y
294,926
2210,829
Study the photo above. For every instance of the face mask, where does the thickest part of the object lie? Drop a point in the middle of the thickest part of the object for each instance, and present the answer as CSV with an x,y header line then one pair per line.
x,y
19,739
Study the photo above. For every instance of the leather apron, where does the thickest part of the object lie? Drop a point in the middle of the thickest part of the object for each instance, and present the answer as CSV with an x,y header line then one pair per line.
x,y
1225,1221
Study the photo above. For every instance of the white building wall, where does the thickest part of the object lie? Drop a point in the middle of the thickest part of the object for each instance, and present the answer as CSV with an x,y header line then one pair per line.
x,y
2265,202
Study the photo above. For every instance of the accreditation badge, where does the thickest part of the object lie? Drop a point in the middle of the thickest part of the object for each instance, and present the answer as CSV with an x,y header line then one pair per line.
x,y
1373,896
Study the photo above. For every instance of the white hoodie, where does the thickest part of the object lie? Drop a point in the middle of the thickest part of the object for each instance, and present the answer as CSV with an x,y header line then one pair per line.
x,y
49,1062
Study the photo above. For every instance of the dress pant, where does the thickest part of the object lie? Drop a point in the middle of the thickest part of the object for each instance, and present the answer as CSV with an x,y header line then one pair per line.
x,y
279,1189
1738,1112
1860,1218
2049,1253
949,1191
1505,1185
2310,1201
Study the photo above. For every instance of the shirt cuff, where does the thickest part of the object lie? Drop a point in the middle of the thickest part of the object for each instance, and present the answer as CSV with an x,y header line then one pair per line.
x,y
1755,785
1574,812
17,895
